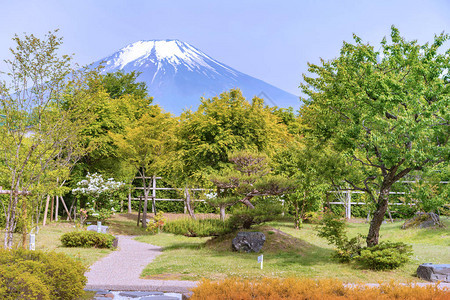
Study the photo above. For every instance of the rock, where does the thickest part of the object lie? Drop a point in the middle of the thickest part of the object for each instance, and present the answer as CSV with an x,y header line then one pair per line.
x,y
141,294
248,241
159,298
434,273
116,242
104,229
98,291
423,220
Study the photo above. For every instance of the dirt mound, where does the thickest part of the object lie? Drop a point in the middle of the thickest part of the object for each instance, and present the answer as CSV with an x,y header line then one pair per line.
x,y
276,241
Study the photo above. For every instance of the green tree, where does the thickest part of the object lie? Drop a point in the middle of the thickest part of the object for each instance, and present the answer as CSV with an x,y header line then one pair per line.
x,y
146,144
303,164
121,100
45,105
386,112
220,126
249,178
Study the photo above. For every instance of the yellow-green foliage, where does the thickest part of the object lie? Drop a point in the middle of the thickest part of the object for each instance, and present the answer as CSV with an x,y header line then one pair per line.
x,y
296,288
37,275
87,239
200,228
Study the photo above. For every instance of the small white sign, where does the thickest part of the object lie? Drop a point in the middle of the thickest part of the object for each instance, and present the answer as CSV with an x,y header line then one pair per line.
x,y
32,241
261,260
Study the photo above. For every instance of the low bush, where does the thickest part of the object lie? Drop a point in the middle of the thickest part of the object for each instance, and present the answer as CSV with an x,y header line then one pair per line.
x,y
199,228
157,223
385,256
304,288
334,231
87,239
37,275
263,212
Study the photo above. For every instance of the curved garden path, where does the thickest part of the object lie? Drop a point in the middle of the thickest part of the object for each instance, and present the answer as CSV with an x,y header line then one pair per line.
x,y
121,269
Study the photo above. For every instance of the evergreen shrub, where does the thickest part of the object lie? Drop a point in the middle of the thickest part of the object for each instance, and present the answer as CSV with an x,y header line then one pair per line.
x,y
28,274
263,212
87,239
197,228
385,256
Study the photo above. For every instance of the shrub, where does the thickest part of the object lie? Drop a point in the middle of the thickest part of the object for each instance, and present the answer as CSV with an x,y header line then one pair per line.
x,y
87,239
37,275
158,223
200,228
385,256
333,230
305,288
246,218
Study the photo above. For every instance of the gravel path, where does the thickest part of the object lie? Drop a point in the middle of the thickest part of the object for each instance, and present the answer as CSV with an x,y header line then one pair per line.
x,y
121,270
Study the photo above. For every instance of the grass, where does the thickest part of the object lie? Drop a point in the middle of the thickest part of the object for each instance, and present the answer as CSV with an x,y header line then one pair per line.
x,y
47,239
311,260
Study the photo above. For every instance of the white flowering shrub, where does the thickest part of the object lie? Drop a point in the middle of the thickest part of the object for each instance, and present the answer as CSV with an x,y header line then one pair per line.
x,y
98,193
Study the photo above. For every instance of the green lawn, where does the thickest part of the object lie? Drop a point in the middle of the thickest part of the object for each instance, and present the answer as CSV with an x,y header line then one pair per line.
x,y
48,239
188,258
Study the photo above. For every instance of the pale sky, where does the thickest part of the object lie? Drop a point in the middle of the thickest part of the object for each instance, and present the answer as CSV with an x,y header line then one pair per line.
x,y
270,40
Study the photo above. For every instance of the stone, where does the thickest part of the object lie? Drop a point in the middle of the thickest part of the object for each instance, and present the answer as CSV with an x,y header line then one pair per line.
x,y
115,242
434,273
141,294
159,298
248,241
104,229
423,220
98,291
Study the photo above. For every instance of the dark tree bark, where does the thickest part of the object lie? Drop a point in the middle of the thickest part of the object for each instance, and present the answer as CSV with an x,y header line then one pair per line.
x,y
378,217
247,202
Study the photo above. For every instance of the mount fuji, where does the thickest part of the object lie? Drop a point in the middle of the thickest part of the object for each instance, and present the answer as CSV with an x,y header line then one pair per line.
x,y
178,74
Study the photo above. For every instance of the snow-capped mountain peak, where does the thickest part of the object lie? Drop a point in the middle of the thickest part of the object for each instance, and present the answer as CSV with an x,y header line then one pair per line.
x,y
178,74
174,52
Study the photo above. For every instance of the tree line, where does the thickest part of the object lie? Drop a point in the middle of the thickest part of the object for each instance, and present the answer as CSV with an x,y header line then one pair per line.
x,y
371,117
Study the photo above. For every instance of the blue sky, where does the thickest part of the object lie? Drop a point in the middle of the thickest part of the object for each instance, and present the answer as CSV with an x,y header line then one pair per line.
x,y
270,40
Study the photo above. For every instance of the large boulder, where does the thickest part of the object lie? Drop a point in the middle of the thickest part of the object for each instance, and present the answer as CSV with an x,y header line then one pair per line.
x,y
248,241
433,273
423,220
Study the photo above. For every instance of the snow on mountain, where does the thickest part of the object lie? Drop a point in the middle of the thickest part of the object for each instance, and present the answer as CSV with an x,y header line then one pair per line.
x,y
178,74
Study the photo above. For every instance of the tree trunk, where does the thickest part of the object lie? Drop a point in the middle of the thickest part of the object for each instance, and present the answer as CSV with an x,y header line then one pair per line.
x,y
222,212
65,208
46,210
188,203
57,208
11,219
24,225
139,210
129,203
144,211
154,194
52,208
296,223
146,190
378,216
247,202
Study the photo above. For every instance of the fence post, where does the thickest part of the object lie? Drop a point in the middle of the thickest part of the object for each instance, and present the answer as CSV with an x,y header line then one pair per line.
x,y
153,194
348,210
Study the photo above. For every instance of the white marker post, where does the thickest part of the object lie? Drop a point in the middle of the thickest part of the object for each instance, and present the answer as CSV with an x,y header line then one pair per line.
x,y
32,241
261,260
